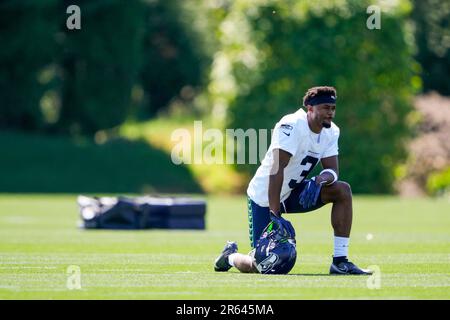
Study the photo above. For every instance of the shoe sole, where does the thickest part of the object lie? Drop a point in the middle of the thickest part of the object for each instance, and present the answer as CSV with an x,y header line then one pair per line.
x,y
215,262
338,272
217,269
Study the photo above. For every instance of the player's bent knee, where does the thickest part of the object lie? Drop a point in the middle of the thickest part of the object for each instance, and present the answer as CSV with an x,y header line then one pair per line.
x,y
345,187
344,190
338,191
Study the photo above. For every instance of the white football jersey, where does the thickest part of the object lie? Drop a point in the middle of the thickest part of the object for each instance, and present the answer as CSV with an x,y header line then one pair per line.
x,y
293,135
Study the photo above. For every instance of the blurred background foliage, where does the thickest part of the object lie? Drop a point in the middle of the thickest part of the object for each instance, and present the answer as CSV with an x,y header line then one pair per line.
x,y
137,70
432,34
373,72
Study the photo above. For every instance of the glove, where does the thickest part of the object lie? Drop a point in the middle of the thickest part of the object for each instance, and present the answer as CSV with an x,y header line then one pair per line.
x,y
285,228
310,194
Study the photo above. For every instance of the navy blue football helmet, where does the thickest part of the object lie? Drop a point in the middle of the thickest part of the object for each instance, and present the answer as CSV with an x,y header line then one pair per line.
x,y
275,252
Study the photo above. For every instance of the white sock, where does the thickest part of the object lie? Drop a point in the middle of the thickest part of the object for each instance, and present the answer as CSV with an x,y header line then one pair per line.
x,y
341,246
231,259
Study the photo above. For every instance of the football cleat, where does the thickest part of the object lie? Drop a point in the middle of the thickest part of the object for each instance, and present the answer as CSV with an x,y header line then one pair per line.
x,y
347,267
221,264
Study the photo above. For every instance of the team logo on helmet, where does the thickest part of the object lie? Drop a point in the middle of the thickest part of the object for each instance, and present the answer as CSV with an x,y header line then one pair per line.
x,y
267,263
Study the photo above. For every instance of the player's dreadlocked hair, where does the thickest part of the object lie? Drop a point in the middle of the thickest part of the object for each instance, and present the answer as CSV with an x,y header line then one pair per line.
x,y
317,92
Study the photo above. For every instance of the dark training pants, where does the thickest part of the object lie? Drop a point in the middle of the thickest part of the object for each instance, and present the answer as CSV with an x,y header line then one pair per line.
x,y
259,217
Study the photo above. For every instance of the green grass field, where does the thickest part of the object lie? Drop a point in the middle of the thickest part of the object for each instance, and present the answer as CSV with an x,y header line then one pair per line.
x,y
39,240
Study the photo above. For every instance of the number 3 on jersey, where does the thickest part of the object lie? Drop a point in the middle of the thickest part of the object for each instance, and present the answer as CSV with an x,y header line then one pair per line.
x,y
307,160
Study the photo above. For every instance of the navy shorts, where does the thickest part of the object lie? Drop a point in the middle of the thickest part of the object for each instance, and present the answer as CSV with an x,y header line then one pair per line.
x,y
259,217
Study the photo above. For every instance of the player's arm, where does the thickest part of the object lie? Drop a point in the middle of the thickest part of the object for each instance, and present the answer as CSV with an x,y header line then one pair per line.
x,y
281,160
327,177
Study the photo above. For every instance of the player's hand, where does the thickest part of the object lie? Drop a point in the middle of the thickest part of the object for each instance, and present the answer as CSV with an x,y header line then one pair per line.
x,y
310,194
285,227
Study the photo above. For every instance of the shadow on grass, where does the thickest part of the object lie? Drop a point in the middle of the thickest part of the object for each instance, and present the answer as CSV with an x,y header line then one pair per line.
x,y
311,274
45,164
291,274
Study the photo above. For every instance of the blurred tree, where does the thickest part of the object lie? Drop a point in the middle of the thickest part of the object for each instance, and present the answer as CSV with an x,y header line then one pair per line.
x,y
128,59
27,30
273,52
432,33
174,63
100,65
